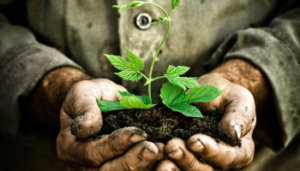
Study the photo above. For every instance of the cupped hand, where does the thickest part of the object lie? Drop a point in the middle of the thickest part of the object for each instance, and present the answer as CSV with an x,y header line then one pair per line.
x,y
80,118
201,152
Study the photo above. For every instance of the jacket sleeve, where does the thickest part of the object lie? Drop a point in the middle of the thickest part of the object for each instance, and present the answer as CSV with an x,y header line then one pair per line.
x,y
276,51
23,62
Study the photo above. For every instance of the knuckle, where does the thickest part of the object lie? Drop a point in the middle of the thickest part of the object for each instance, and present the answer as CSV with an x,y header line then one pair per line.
x,y
93,158
115,148
128,166
62,150
191,164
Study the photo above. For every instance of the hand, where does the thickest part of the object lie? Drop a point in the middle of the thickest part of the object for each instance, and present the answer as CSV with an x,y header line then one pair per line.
x,y
80,117
238,122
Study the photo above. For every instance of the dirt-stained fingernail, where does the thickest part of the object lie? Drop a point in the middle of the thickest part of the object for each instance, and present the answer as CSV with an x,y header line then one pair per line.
x,y
136,138
149,153
176,154
196,146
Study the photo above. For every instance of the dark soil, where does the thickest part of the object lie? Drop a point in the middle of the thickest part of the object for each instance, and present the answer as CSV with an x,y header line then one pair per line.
x,y
162,124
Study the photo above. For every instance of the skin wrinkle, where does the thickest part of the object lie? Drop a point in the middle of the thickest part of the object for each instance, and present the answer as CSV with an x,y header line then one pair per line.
x,y
243,73
52,90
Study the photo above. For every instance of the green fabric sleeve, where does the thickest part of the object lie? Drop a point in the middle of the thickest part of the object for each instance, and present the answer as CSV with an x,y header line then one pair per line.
x,y
23,62
276,51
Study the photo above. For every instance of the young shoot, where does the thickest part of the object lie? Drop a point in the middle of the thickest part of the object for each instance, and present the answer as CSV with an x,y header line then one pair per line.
x,y
173,93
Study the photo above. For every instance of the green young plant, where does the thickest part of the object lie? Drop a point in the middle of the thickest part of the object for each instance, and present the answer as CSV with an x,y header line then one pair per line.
x,y
173,93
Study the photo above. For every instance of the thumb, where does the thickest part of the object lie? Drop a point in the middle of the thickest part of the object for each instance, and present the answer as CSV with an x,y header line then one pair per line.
x,y
84,108
81,106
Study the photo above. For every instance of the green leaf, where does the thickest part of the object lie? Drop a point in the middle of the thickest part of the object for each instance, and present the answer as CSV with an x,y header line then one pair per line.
x,y
136,62
169,93
125,93
184,82
203,94
118,62
174,97
174,3
174,71
160,20
145,99
130,75
106,106
133,102
187,110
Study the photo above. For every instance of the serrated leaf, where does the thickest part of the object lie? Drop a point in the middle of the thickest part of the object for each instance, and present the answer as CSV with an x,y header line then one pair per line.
x,y
160,20
175,71
106,106
133,102
184,82
174,98
187,110
175,3
203,94
118,62
136,62
145,99
170,93
130,75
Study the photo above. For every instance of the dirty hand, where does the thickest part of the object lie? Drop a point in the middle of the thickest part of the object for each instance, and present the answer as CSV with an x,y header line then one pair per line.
x,y
238,104
80,117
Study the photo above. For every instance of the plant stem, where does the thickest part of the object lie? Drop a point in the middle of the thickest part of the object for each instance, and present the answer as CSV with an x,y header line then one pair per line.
x,y
158,49
146,78
157,78
165,12
155,56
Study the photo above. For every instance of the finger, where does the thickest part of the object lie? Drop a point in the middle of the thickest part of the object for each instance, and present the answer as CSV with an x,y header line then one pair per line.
x,y
161,149
80,103
161,155
137,158
83,107
167,165
220,154
214,81
109,90
177,151
240,115
95,152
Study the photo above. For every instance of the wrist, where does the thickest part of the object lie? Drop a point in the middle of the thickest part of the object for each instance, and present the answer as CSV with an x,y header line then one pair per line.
x,y
44,103
57,83
245,74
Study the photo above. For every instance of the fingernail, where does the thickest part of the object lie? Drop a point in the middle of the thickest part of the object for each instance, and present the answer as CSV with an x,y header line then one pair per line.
x,y
196,146
136,138
237,132
176,154
148,154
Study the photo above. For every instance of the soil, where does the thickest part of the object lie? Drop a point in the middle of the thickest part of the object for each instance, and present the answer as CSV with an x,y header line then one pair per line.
x,y
162,124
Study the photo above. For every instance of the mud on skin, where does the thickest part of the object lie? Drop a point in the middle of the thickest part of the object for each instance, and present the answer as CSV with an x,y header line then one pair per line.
x,y
162,124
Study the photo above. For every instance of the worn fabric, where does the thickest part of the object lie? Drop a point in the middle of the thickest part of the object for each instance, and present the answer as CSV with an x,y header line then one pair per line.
x,y
203,34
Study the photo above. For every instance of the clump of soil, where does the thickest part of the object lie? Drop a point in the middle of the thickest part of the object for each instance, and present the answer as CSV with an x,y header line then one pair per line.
x,y
162,124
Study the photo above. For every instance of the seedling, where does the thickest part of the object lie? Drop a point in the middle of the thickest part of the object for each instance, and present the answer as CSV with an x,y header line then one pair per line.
x,y
173,93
